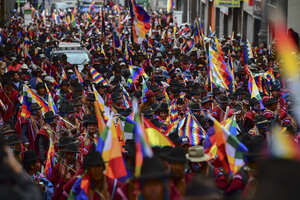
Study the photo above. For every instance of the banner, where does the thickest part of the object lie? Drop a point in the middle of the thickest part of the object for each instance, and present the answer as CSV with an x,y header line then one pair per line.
x,y
228,3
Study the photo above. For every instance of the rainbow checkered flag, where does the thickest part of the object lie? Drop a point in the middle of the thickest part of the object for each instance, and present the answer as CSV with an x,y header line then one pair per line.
x,y
97,76
220,73
29,97
230,149
190,127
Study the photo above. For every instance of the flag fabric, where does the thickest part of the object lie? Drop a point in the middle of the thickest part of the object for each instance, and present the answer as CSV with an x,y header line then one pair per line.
x,y
252,87
190,127
50,158
89,33
144,90
247,52
80,188
128,127
97,76
230,149
92,7
112,155
101,104
170,66
80,79
170,5
141,141
63,73
282,146
51,105
101,139
173,112
100,120
231,125
219,71
30,97
140,22
156,138
209,143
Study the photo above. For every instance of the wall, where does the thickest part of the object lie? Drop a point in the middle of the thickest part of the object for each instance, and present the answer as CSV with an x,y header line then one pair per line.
x,y
294,15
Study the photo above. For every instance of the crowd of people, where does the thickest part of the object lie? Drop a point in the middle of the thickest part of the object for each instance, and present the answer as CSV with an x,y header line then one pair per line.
x,y
171,75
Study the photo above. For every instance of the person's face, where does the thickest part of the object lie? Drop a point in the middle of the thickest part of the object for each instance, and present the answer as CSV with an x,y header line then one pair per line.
x,y
37,166
273,107
163,115
92,128
39,74
152,99
186,147
64,88
153,190
39,112
180,107
207,105
96,172
41,91
101,90
70,157
177,169
203,72
16,77
275,94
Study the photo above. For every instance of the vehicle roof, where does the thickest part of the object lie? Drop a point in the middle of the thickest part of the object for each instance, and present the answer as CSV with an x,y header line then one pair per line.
x,y
66,44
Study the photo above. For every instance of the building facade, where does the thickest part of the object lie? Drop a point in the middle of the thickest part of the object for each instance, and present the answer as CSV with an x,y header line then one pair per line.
x,y
251,20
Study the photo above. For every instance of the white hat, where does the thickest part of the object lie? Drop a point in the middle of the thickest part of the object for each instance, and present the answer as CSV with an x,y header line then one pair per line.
x,y
196,154
70,71
49,79
24,66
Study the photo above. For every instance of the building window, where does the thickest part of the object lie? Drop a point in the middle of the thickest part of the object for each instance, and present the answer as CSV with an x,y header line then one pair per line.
x,y
178,4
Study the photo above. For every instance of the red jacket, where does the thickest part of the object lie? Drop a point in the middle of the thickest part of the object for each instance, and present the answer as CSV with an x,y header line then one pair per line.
x,y
9,99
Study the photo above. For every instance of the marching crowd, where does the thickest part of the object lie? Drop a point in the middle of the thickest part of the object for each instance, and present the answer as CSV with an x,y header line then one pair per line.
x,y
171,75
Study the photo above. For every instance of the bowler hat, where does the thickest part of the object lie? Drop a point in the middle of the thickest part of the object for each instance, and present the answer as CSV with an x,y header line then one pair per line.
x,y
275,88
271,101
159,96
223,99
148,111
91,97
216,91
194,106
115,96
177,154
34,107
39,85
49,115
205,100
30,156
89,119
69,109
164,107
196,154
64,141
152,168
261,119
6,129
253,101
70,148
93,158
13,139
64,82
